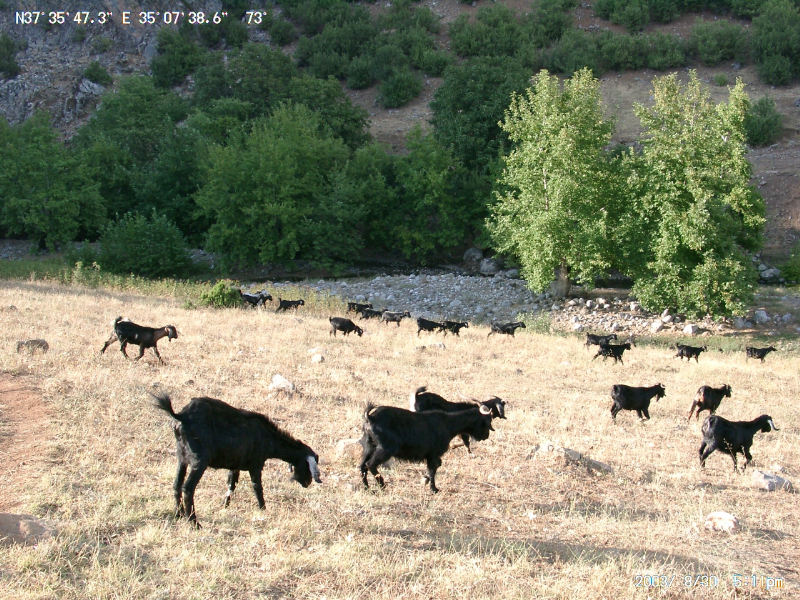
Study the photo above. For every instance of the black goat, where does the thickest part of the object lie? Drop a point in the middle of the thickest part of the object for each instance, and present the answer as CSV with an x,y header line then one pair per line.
x,y
127,332
709,398
599,340
356,307
416,437
689,352
255,300
284,305
614,351
369,313
211,433
426,325
422,400
732,437
344,325
758,352
626,397
455,326
395,317
506,328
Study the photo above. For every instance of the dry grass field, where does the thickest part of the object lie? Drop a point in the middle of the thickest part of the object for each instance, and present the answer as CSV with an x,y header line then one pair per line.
x,y
508,523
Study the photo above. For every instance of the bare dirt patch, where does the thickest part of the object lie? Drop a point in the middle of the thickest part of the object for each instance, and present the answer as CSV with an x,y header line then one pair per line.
x,y
24,431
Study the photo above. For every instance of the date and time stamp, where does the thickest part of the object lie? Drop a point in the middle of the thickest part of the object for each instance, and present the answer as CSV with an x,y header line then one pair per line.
x,y
710,581
131,18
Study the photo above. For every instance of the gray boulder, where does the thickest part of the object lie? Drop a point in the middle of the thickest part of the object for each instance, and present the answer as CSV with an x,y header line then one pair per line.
x,y
473,255
761,316
691,329
490,266
769,482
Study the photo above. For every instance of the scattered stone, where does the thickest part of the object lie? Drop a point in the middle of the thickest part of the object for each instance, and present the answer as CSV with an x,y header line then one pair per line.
x,y
770,274
438,345
23,529
544,447
656,326
614,328
490,266
761,316
590,304
691,329
473,255
769,482
512,274
596,465
667,319
572,455
762,267
635,307
350,450
279,382
317,358
721,521
665,313
32,346
577,327
787,317
739,323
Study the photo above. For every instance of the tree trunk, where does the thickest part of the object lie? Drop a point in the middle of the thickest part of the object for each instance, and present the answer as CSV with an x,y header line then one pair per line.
x,y
560,287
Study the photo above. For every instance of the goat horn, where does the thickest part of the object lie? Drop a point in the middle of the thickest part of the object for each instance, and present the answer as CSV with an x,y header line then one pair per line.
x,y
463,397
312,463
773,425
485,410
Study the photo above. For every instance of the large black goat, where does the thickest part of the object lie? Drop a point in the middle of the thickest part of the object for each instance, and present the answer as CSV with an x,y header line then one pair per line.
x,y
426,325
732,437
506,328
256,300
284,305
344,325
599,340
758,352
614,351
455,327
708,398
626,397
689,352
422,400
369,313
416,437
356,307
127,332
211,433
395,317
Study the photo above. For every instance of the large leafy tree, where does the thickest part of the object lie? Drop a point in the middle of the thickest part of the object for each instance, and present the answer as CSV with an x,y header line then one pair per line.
x,y
692,212
46,193
559,201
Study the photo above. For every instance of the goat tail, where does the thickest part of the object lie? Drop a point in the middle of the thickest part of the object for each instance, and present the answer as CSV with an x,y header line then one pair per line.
x,y
162,401
368,409
412,398
116,321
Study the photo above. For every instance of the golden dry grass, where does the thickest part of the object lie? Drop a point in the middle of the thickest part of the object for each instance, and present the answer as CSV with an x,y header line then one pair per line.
x,y
507,524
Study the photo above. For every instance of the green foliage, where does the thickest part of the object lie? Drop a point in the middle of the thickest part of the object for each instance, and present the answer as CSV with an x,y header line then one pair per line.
x,y
150,247
235,32
664,51
623,52
96,73
328,64
435,62
547,21
222,295
46,192
399,88
720,79
692,213
775,40
574,51
359,73
746,9
495,32
664,11
79,34
558,203
282,32
101,45
763,123
270,197
717,41
387,61
8,64
790,269
177,57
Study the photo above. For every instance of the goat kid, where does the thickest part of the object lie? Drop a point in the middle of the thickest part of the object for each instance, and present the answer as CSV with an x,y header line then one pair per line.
x,y
212,434
426,325
626,397
284,305
758,352
506,328
599,340
709,398
732,437
689,352
614,351
127,332
344,325
395,317
455,326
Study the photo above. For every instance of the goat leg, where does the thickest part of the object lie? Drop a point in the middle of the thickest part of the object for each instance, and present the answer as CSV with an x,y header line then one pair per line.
x,y
434,463
233,479
141,352
189,487
110,341
122,347
180,476
258,490
155,349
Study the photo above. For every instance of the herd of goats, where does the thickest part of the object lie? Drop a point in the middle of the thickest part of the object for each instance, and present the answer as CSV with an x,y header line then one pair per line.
x,y
211,433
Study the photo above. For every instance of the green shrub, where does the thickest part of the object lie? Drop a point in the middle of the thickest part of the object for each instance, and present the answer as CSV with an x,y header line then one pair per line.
x,y
359,73
623,52
790,270
495,32
720,79
714,42
547,22
282,32
574,51
96,73
101,45
746,9
434,62
177,57
665,51
663,11
222,295
399,88
79,34
763,123
8,64
387,60
151,247
776,70
325,64
775,40
235,32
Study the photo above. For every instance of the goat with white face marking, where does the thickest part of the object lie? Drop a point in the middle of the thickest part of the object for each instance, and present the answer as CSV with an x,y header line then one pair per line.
x,y
732,437
127,332
212,434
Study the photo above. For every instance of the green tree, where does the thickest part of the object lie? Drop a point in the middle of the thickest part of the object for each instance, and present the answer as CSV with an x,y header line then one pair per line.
x,y
775,40
558,207
692,212
269,194
46,193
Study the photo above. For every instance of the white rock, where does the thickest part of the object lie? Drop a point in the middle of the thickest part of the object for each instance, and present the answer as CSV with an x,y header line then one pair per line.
x,y
656,326
614,327
279,382
721,521
318,350
455,303
438,345
739,323
665,313
590,304
635,307
317,358
787,317
667,319
478,310
691,329
761,316
769,482
577,327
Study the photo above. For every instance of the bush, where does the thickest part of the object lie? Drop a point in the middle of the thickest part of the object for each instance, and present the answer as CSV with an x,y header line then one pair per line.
x,y
359,73
282,32
235,32
663,11
399,88
746,9
633,15
665,51
574,51
177,57
222,295
775,40
96,73
775,70
387,60
495,32
8,64
720,79
100,45
151,247
325,64
714,42
434,62
763,123
79,34
623,52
